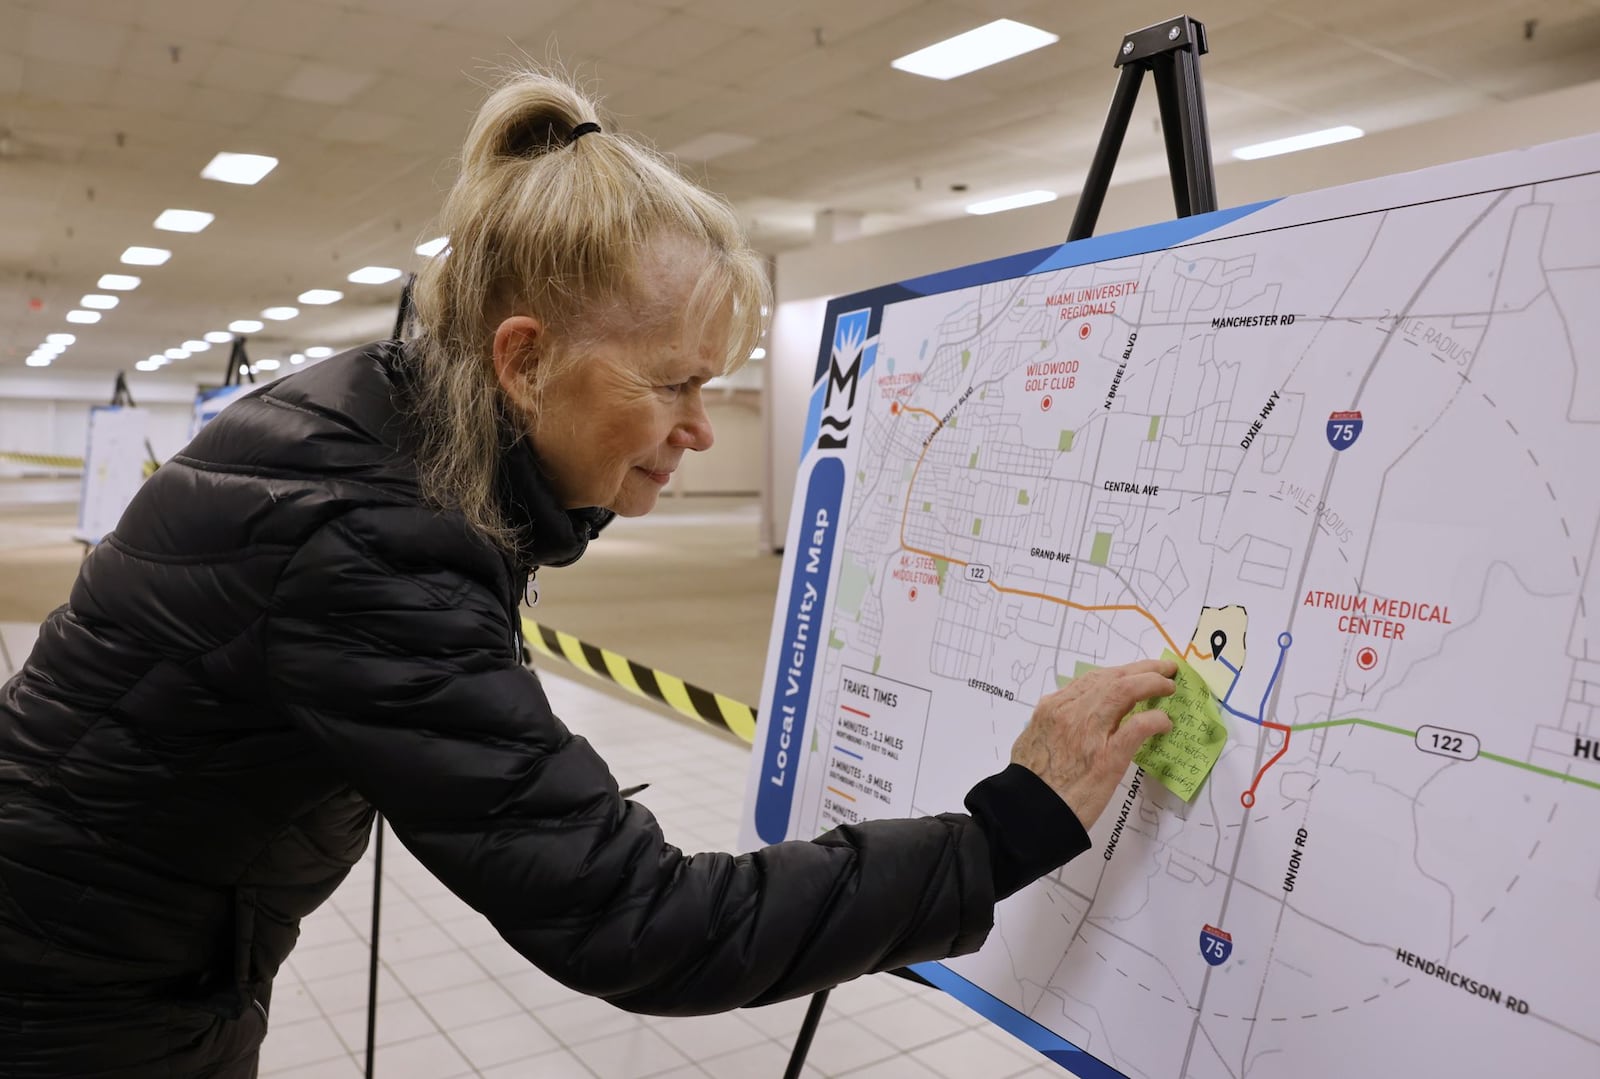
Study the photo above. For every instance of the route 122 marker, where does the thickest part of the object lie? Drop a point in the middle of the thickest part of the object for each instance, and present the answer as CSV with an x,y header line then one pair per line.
x,y
1215,945
1343,429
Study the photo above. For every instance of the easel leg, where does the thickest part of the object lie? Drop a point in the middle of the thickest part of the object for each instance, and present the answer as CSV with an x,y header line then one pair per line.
x,y
808,1030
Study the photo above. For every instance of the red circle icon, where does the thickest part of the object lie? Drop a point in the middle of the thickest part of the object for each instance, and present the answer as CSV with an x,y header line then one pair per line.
x,y
1045,403
894,408
1367,659
913,593
1083,332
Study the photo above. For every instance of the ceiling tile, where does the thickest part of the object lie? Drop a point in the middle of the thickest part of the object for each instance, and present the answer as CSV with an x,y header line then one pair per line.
x,y
207,20
54,81
675,44
323,84
356,125
254,70
590,31
164,55
82,42
513,18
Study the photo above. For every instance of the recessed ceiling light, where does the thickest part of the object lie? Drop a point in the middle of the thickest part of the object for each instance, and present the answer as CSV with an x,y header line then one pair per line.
x,y
184,220
156,359
47,349
239,168
317,297
83,317
60,338
280,314
374,275
96,302
117,282
244,325
38,361
146,365
966,53
177,354
266,365
758,353
297,358
317,352
1011,202
219,337
146,256
1289,145
196,346
433,246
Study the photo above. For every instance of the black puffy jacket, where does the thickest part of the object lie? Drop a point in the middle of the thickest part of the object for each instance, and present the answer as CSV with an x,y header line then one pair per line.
x,y
279,638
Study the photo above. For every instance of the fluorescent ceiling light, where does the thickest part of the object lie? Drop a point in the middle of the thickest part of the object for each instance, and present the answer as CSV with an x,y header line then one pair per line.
x,y
146,256
117,282
297,358
267,365
239,168
157,359
1289,145
219,337
47,349
966,53
280,314
60,338
96,302
83,317
244,325
758,353
1011,202
374,275
317,352
38,361
184,220
433,247
146,365
177,354
318,297
196,346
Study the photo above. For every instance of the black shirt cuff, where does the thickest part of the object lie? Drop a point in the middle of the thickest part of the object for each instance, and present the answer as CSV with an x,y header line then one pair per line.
x,y
1030,830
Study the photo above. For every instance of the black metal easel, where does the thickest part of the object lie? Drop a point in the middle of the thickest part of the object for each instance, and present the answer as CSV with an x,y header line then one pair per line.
x,y
238,365
1170,51
402,319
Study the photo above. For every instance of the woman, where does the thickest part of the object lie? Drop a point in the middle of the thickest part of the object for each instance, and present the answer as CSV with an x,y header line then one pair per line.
x,y
310,613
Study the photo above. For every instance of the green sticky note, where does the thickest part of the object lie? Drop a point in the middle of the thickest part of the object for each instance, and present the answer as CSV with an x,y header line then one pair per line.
x,y
1181,759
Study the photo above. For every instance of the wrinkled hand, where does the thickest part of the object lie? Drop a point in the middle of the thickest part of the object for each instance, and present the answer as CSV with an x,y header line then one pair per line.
x,y
1074,743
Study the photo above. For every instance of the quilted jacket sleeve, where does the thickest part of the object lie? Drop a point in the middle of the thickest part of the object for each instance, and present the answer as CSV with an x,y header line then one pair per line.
x,y
389,646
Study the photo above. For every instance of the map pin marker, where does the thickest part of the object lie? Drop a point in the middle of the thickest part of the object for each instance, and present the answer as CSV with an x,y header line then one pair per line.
x,y
1219,641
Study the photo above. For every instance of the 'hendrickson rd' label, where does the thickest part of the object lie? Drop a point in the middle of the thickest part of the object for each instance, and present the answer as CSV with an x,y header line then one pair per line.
x,y
1461,981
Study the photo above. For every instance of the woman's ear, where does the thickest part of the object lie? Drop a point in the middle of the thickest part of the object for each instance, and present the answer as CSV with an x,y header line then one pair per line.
x,y
518,344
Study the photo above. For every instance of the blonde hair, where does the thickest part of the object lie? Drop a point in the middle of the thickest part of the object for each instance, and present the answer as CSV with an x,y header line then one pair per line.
x,y
547,225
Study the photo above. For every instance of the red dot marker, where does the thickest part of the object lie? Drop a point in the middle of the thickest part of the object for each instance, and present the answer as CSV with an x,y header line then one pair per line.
x,y
913,593
1083,332
894,408
1367,659
1044,405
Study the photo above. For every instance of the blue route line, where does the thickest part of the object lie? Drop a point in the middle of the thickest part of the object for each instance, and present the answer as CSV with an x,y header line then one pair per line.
x,y
847,753
1284,641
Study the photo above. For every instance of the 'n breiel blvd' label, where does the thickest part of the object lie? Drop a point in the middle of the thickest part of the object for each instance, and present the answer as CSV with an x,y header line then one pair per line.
x,y
878,729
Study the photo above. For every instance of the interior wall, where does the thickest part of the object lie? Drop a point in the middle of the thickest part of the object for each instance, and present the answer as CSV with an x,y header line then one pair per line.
x,y
50,414
806,278
733,465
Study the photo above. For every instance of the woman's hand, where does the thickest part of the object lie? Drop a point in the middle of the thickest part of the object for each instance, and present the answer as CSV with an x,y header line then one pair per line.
x,y
1074,742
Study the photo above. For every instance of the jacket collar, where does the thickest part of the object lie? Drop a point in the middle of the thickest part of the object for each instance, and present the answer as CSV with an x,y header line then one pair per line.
x,y
548,534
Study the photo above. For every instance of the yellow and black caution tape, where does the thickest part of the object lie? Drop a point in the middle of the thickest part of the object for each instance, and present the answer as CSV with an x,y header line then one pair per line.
x,y
682,697
48,460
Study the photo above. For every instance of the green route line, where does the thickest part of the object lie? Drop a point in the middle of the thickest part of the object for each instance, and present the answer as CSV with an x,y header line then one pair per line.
x,y
1487,756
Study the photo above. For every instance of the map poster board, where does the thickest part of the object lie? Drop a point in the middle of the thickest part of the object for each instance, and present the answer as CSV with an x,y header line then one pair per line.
x,y
1337,451
113,468
208,403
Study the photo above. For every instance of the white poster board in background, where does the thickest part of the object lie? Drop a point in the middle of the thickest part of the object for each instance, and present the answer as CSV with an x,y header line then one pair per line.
x,y
113,468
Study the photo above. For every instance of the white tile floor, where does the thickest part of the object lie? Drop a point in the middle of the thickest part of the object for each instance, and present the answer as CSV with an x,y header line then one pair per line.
x,y
454,1000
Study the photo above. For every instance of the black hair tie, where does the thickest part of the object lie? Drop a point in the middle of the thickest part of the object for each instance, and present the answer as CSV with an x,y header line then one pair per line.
x,y
581,130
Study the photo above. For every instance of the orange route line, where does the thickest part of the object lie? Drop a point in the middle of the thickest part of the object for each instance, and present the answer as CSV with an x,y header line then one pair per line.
x,y
857,711
906,511
842,794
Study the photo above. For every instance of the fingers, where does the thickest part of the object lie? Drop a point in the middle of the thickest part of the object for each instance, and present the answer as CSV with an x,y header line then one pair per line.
x,y
1123,693
1165,667
1138,729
